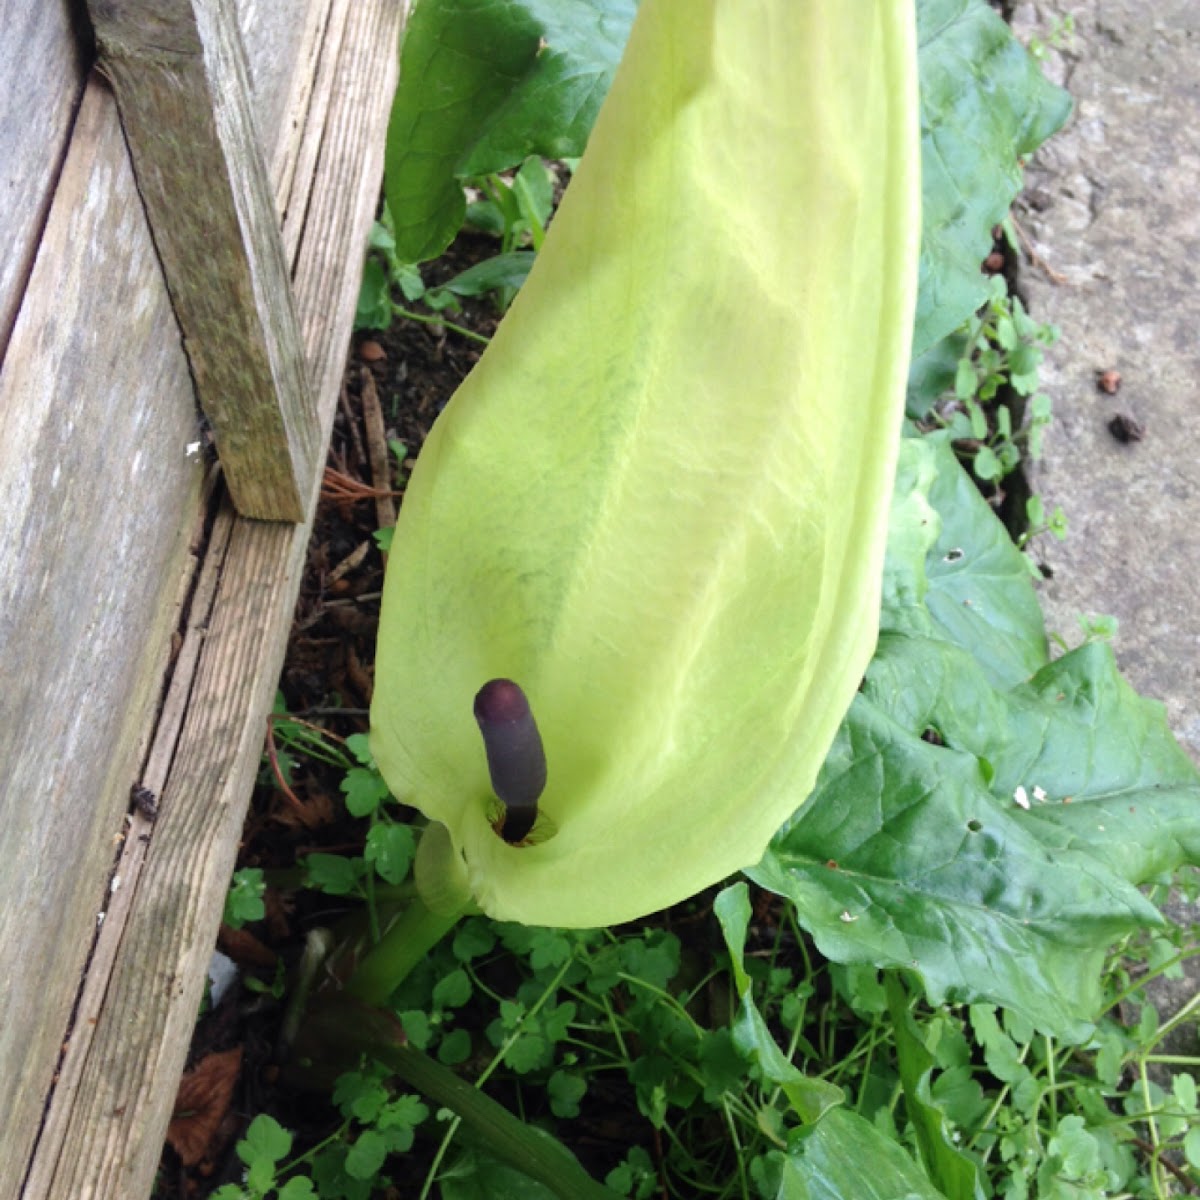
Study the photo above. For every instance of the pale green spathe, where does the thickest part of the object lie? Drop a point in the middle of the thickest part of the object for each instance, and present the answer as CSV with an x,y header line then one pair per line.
x,y
659,502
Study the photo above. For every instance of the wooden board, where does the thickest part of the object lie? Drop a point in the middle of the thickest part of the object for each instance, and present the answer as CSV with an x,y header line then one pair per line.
x,y
105,1124
182,83
102,506
42,66
101,472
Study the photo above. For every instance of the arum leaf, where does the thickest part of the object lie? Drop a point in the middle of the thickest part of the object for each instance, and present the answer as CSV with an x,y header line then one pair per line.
x,y
468,55
903,858
659,502
483,84
984,105
953,570
809,1098
552,109
981,825
844,1155
954,1171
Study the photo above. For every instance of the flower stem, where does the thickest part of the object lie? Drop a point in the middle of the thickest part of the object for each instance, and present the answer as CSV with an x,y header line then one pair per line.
x,y
407,941
442,898
357,1030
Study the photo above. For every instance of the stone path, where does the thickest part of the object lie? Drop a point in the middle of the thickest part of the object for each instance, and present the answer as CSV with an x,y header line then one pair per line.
x,y
1113,208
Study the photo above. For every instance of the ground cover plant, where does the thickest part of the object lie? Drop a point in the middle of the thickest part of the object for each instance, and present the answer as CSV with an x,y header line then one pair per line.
x,y
934,985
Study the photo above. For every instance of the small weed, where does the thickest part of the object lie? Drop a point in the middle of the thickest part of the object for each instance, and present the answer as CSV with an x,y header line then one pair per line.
x,y
514,207
1061,36
1003,350
244,902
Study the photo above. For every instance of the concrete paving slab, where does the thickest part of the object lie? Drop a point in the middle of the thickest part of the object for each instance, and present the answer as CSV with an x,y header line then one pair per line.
x,y
1112,207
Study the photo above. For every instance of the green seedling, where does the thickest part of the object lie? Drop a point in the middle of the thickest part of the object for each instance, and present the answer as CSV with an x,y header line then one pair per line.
x,y
244,902
1060,36
1003,349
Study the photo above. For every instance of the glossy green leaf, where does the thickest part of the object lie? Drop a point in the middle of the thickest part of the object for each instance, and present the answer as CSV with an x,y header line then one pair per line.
x,y
955,1172
483,83
953,572
984,816
659,502
904,858
984,105
809,1098
844,1156
553,107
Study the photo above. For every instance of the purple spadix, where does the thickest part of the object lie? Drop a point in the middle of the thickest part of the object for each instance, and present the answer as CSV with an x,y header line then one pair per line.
x,y
515,758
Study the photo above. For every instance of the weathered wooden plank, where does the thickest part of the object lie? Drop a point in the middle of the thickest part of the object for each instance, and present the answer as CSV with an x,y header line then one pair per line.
x,y
135,841
102,494
42,69
100,476
114,1131
183,87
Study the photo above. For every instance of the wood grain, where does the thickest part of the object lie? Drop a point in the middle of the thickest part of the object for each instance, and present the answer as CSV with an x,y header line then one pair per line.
x,y
182,83
98,505
102,491
41,64
108,1142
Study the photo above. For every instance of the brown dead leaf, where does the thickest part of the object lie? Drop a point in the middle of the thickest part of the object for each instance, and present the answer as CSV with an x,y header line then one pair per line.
x,y
201,1104
244,948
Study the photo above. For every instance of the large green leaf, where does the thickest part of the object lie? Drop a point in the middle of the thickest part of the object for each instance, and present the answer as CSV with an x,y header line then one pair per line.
x,y
984,105
955,1172
844,1156
809,1097
981,824
904,858
483,84
553,107
659,503
953,570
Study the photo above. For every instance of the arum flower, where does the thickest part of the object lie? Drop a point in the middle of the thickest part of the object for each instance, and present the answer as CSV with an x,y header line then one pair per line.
x,y
658,504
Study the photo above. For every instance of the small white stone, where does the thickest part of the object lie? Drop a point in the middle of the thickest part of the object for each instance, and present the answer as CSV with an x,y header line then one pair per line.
x,y
222,974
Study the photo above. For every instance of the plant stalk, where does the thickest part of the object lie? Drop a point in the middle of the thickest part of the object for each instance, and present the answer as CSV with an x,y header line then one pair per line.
x,y
407,941
356,1030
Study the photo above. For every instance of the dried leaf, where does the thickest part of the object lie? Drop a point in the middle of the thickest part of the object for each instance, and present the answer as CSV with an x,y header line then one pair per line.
x,y
201,1104
244,948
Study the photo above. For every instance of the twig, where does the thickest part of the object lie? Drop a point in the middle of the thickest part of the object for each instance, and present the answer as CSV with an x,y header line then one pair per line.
x,y
360,454
273,757
1034,257
377,451
1180,1174
342,489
